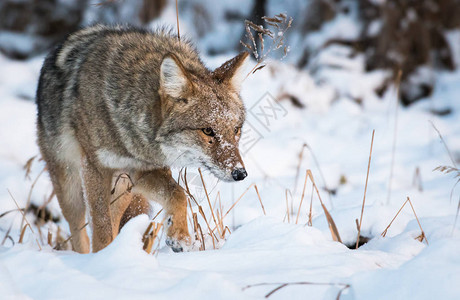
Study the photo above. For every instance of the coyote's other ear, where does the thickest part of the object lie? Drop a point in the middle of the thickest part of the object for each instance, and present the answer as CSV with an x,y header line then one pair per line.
x,y
233,70
173,79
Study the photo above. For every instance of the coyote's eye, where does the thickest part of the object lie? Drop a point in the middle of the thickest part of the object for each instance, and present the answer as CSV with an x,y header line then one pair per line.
x,y
237,130
208,131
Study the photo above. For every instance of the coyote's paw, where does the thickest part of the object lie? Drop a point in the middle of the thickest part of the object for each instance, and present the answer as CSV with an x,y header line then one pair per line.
x,y
177,245
178,237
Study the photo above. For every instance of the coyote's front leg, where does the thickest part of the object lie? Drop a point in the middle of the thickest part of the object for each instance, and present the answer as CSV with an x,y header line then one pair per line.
x,y
158,185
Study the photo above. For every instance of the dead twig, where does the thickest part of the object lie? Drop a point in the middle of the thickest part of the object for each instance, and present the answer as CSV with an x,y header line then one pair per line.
x,y
280,286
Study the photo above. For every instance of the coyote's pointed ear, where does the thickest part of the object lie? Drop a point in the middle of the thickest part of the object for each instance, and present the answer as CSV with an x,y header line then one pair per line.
x,y
233,71
173,78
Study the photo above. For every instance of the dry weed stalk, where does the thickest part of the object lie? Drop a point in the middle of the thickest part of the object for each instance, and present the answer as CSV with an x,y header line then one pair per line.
x,y
395,131
328,190
422,236
25,219
7,236
417,181
288,213
301,156
447,170
150,235
301,199
344,286
297,172
207,198
50,238
28,166
310,216
260,199
29,196
216,215
332,227
276,29
177,20
445,144
365,191
238,200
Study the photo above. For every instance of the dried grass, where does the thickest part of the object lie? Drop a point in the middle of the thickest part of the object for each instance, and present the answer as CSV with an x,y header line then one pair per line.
x,y
288,212
365,191
330,221
448,170
177,20
25,219
343,286
275,30
395,131
417,181
422,236
150,236
301,200
29,196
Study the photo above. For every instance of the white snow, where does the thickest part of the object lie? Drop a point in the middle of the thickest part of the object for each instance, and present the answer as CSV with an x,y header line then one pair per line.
x,y
266,249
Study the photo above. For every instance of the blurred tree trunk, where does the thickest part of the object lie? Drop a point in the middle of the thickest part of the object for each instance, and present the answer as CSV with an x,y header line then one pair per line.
x,y
31,26
151,9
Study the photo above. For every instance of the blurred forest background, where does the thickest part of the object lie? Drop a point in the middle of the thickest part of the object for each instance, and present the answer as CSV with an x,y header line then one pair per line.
x,y
416,37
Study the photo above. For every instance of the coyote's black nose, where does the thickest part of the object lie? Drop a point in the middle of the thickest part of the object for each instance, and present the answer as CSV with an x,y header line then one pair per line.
x,y
239,174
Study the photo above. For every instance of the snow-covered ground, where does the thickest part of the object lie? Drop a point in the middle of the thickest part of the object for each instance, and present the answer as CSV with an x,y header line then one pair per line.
x,y
264,252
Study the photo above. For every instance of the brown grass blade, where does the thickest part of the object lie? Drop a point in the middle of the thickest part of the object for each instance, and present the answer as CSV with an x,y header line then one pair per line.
x,y
177,20
203,244
260,199
148,244
195,225
238,200
301,199
21,210
288,213
445,145
297,172
158,213
423,236
310,217
321,174
332,227
28,166
50,238
384,233
23,231
365,190
7,235
29,196
209,202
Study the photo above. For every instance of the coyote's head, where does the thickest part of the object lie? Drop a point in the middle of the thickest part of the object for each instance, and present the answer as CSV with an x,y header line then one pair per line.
x,y
202,116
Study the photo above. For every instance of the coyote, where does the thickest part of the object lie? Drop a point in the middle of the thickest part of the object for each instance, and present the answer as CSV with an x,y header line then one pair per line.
x,y
120,100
